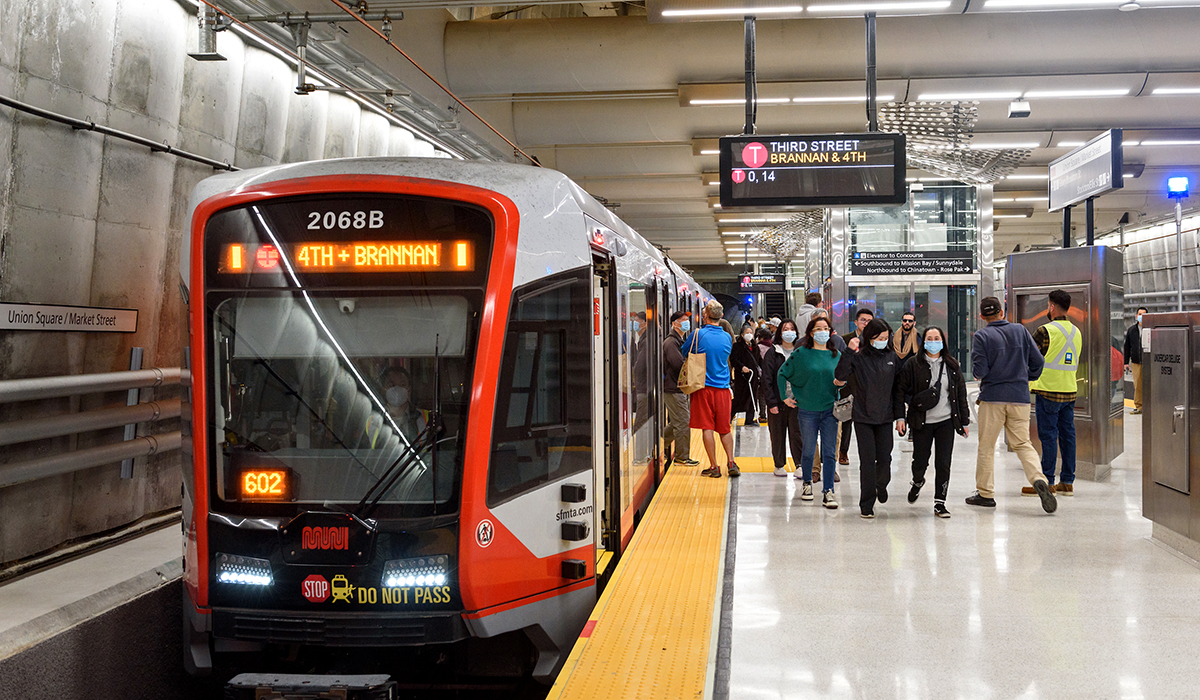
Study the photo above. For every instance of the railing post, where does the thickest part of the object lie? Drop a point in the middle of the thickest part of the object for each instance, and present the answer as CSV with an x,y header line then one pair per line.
x,y
135,363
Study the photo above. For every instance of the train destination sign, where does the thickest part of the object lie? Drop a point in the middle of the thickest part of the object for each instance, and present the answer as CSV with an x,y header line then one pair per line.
x,y
915,262
352,256
1089,171
760,283
47,317
834,169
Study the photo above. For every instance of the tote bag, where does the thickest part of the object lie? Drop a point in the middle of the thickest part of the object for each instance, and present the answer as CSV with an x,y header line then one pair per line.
x,y
691,375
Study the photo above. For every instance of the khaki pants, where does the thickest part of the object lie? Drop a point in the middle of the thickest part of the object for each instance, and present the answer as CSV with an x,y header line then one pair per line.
x,y
1014,420
677,431
1136,369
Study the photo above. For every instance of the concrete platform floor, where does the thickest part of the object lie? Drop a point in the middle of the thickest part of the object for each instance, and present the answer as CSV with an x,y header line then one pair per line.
x,y
993,603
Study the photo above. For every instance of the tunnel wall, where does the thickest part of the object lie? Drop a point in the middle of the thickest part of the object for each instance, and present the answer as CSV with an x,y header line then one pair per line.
x,y
89,220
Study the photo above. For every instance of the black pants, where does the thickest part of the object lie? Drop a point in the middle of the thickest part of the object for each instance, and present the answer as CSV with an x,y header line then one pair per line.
x,y
875,455
847,431
785,432
941,436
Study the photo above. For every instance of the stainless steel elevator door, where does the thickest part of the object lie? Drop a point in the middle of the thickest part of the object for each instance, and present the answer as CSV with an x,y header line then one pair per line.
x,y
1169,373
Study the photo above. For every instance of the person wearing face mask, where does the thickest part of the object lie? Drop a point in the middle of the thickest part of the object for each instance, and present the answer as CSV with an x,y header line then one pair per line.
x,y
397,396
782,419
744,364
808,374
932,383
677,432
862,316
1134,342
835,342
872,365
763,343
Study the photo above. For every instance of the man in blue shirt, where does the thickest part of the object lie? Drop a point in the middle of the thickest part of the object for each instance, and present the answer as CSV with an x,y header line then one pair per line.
x,y
1005,359
712,406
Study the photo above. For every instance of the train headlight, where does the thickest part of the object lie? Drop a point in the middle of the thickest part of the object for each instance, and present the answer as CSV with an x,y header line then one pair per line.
x,y
420,571
247,571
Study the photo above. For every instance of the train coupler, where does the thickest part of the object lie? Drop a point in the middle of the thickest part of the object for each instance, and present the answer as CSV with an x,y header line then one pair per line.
x,y
286,686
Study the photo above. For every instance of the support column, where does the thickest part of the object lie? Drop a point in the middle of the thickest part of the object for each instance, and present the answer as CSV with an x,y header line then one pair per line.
x,y
751,79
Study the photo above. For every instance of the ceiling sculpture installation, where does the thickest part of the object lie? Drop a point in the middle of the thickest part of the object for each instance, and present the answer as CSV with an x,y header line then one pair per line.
x,y
785,240
939,141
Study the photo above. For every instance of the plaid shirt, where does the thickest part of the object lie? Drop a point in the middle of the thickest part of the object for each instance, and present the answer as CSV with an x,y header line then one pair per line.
x,y
1042,337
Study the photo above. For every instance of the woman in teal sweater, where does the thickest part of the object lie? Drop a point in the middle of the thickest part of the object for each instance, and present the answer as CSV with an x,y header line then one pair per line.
x,y
809,371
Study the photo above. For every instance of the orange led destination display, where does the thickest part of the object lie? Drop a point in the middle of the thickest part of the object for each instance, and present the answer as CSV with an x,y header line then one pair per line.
x,y
352,256
265,485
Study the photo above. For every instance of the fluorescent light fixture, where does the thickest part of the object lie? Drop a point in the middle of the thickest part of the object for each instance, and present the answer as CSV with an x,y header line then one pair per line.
x,y
741,101
1028,177
740,221
832,100
960,96
738,11
1105,92
882,6
1070,144
1010,216
713,152
1126,176
985,145
1000,4
714,183
1176,91
716,206
1003,199
1170,143
1031,199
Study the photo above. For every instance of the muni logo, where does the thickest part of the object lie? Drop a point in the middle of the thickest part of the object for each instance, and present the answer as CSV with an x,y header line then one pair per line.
x,y
325,538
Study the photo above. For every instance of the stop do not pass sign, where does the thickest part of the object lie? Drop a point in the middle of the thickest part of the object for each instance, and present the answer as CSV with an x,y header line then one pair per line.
x,y
315,589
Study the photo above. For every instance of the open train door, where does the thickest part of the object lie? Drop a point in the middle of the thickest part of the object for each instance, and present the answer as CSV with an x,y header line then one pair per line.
x,y
607,493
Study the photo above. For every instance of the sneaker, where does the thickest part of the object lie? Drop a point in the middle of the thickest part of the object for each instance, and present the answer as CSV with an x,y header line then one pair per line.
x,y
939,509
807,494
1030,491
780,471
867,515
1049,504
881,494
733,469
836,477
843,458
829,501
816,475
1065,490
1136,412
687,462
915,491
977,500
798,475
711,471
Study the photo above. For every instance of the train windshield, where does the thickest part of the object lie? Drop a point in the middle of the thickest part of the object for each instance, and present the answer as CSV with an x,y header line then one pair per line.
x,y
332,384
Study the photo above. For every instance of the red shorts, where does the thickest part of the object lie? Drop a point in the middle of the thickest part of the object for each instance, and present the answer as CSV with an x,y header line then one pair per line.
x,y
712,409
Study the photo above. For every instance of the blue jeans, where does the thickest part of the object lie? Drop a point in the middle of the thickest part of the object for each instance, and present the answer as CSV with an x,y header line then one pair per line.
x,y
812,423
1056,426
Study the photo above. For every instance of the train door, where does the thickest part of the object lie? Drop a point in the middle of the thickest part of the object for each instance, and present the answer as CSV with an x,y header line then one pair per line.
x,y
607,514
663,328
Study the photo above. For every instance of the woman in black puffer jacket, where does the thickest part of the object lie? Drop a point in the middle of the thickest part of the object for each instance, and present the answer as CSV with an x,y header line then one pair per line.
x,y
936,425
873,364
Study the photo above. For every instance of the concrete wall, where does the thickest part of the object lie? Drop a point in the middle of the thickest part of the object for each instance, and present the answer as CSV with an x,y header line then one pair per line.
x,y
93,221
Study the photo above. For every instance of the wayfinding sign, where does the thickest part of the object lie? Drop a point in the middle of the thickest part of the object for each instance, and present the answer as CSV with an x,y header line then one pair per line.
x,y
913,262
45,317
760,283
1089,171
812,170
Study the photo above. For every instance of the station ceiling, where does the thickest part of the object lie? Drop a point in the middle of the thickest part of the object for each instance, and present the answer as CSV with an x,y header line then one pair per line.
x,y
620,96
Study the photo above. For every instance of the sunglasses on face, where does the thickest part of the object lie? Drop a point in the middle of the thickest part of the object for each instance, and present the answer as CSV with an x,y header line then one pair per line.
x,y
908,320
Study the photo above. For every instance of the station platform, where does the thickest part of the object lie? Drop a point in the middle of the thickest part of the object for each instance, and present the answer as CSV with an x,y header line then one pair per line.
x,y
736,588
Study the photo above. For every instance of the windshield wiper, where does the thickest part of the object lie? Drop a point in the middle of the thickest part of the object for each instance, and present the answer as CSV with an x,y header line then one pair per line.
x,y
387,480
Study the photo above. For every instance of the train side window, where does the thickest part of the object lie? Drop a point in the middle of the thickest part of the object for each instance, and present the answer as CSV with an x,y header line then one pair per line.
x,y
538,435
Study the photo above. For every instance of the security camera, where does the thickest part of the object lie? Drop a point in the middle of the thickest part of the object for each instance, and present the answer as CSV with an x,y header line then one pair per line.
x,y
1018,109
346,305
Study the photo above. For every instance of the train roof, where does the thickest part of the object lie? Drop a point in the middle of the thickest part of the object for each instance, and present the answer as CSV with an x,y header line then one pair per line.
x,y
537,192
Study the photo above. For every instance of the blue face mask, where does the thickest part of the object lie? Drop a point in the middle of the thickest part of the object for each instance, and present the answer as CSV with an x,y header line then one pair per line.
x,y
636,326
821,337
789,336
933,347
685,326
1139,318
879,344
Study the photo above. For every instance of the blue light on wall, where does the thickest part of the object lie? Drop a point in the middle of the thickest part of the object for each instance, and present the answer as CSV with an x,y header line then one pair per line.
x,y
1177,187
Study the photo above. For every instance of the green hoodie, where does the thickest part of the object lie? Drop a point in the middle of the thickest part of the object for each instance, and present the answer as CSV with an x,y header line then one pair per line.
x,y
810,372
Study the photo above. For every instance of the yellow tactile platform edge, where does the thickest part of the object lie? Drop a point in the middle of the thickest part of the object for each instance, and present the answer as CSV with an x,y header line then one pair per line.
x,y
653,632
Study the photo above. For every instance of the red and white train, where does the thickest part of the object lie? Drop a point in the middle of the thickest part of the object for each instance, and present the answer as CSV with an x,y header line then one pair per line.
x,y
425,412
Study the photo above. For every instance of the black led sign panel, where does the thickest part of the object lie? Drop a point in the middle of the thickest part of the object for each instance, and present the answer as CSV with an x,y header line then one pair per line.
x,y
836,169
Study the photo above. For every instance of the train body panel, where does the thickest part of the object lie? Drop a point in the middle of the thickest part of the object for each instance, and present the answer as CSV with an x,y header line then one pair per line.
x,y
543,346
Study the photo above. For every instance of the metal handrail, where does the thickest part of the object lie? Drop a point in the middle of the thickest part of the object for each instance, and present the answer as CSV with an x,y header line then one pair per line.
x,y
15,390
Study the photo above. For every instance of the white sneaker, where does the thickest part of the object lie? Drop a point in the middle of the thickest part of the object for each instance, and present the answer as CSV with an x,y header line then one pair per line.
x,y
780,471
829,501
807,494
798,474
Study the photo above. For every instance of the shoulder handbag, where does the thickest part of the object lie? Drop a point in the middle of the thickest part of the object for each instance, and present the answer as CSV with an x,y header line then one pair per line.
x,y
843,408
695,366
927,399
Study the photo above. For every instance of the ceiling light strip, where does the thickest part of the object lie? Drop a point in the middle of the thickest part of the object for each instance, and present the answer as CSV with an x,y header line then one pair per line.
x,y
735,11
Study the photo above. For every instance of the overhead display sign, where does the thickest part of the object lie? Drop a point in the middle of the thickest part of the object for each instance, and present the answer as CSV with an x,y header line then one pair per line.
x,y
915,262
812,170
353,256
761,283
46,317
1089,171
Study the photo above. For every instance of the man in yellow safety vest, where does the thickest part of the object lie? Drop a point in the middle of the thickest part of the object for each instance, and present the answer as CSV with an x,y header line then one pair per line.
x,y
1061,344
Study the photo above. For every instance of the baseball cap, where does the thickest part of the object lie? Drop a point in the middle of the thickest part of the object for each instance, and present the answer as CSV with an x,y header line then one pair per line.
x,y
990,306
775,321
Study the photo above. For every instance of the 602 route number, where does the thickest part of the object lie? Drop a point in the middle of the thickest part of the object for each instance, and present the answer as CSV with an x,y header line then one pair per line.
x,y
332,220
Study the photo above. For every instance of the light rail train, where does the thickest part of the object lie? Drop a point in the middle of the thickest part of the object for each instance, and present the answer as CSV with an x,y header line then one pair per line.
x,y
425,413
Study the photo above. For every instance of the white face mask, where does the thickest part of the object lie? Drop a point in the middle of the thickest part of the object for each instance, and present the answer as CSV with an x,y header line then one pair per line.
x,y
397,396
748,337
